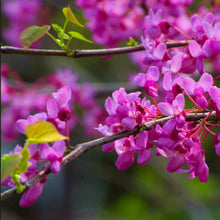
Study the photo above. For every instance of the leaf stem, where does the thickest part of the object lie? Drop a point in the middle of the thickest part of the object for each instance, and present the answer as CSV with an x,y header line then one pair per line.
x,y
50,35
68,43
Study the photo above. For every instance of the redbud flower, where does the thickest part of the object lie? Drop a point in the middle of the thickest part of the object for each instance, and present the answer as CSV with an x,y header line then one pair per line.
x,y
216,143
31,195
214,93
21,124
53,154
175,109
148,81
198,89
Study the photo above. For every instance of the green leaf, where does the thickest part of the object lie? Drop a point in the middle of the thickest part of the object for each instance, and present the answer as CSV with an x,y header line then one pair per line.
x,y
8,164
70,16
16,180
60,32
57,28
63,36
21,168
31,34
43,132
132,42
24,164
78,36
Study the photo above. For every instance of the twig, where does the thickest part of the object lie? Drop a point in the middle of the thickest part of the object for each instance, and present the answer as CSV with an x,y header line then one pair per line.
x,y
83,53
82,148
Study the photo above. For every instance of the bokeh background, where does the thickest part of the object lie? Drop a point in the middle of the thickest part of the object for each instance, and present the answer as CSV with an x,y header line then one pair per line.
x,y
91,187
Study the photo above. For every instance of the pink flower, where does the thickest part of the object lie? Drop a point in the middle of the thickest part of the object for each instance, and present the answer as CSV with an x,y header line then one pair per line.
x,y
216,143
31,195
53,154
148,81
176,109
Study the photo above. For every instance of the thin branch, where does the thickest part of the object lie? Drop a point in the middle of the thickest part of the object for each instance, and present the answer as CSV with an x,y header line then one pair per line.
x,y
83,53
84,147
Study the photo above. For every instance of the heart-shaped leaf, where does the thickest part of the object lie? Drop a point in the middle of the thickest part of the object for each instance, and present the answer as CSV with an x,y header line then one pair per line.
x,y
8,164
78,36
70,16
43,132
31,34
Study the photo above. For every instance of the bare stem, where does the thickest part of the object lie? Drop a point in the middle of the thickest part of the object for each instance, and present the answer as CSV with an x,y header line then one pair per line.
x,y
84,53
82,148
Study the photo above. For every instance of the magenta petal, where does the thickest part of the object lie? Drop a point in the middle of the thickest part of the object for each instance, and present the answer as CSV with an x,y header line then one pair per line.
x,y
175,163
165,108
128,123
206,81
133,96
209,30
108,147
141,141
165,142
63,95
7,182
32,149
154,72
194,48
124,160
176,63
167,82
21,125
31,195
200,65
160,51
59,147
188,85
52,108
140,79
216,143
143,157
204,175
153,32
180,101
217,149
109,106
44,150
122,111
55,166
214,92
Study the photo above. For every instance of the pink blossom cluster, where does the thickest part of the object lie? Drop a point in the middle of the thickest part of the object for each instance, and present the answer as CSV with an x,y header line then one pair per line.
x,y
203,36
112,21
22,14
178,139
161,21
20,100
59,113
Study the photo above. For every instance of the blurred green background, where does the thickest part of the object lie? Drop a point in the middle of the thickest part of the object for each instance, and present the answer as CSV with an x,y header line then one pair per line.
x,y
91,187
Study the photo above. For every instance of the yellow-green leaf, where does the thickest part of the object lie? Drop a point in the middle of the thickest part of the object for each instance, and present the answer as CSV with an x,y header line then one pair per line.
x,y
43,132
31,34
8,164
78,36
70,16
132,42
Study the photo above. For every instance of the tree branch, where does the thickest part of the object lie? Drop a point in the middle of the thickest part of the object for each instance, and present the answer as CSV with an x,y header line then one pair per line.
x,y
82,148
84,53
